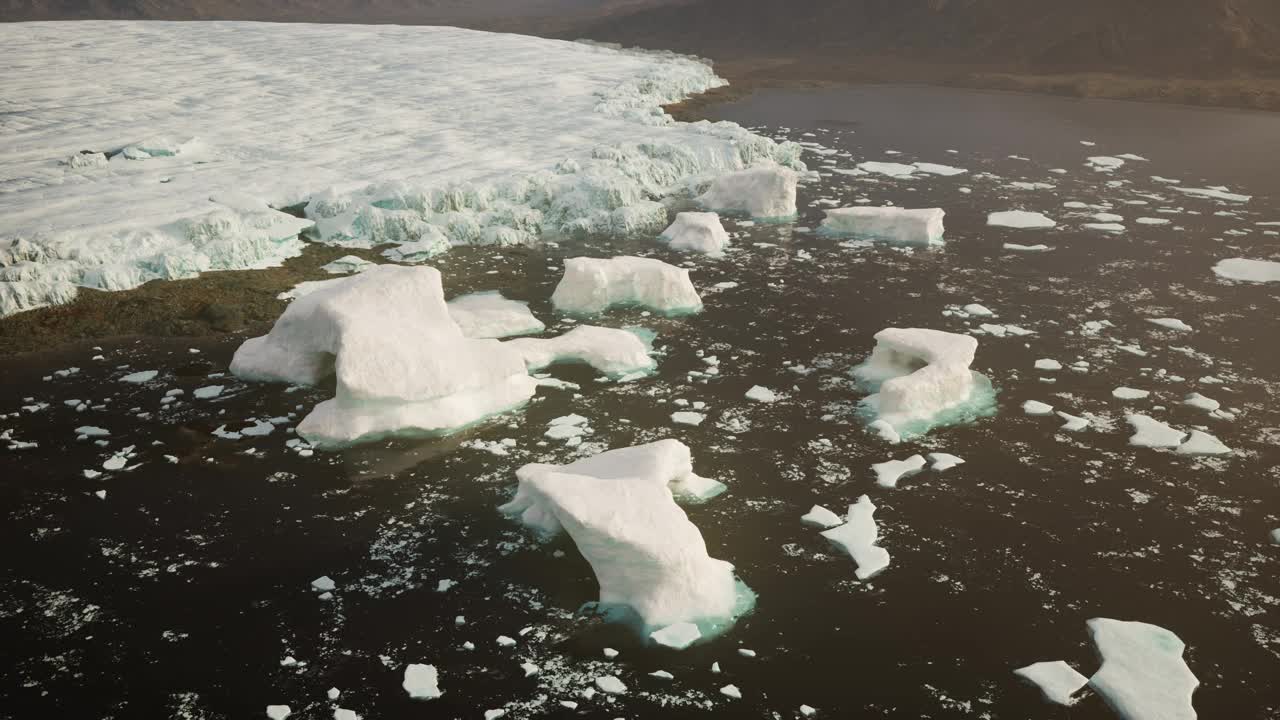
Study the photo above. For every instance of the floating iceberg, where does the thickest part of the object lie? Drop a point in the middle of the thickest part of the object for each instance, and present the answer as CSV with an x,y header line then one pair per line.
x,y
1148,432
762,192
921,378
403,366
611,351
490,315
1058,681
592,285
858,537
697,232
895,224
1143,675
1258,271
585,145
1019,219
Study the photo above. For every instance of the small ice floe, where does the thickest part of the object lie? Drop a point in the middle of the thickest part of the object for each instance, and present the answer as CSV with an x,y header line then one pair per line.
x,y
1015,247
888,473
142,376
484,315
1108,227
1258,271
494,714
677,636
530,669
1170,323
858,536
761,394
1215,193
888,169
609,653
687,417
1035,407
566,427
762,192
613,352
324,583
944,461
1020,219
893,224
345,714
1048,364
1153,433
808,711
207,392
977,310
610,685
1105,217
821,517
1128,393
346,265
591,286
87,431
731,691
699,232
1143,675
1058,682
118,460
1196,400
505,641
885,431
1104,163
1202,443
278,712
1275,537
662,675
1073,423
936,169
1152,221
445,585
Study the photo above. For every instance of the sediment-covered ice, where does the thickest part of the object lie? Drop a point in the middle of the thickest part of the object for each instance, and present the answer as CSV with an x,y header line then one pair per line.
x,y
402,364
761,192
191,168
696,232
591,286
1248,270
858,537
611,351
1019,219
917,375
895,224
1057,681
490,315
1143,675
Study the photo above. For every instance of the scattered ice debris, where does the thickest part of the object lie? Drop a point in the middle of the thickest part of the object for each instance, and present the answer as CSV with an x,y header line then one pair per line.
x,y
403,364
687,417
207,392
490,315
858,537
1026,248
1048,364
1143,675
591,286
761,394
1057,681
324,583
697,232
1019,219
894,224
1104,163
944,461
677,636
616,353
762,192
1153,433
1073,423
888,473
731,691
1215,193
1127,393
610,685
346,265
1248,270
917,374
1197,400
885,431
1170,323
821,517
1035,407
278,712
142,376
1202,443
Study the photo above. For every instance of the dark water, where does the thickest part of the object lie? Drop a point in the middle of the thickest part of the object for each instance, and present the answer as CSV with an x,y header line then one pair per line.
x,y
180,593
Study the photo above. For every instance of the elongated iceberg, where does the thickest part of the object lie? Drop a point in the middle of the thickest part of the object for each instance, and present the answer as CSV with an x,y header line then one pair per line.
x,y
1143,675
593,285
403,366
895,224
763,192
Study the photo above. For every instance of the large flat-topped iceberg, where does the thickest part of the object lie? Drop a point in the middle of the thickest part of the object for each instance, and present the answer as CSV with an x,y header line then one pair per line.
x,y
909,227
186,160
403,366
920,377
592,285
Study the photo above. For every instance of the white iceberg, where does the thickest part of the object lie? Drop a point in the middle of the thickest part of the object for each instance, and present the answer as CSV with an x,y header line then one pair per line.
x,y
696,232
614,352
591,286
858,537
900,225
422,682
1148,432
490,315
761,192
1058,681
403,366
1143,675
889,472
1258,271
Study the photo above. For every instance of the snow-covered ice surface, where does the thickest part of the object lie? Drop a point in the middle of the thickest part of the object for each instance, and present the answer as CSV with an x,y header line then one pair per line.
x,y
179,590
205,154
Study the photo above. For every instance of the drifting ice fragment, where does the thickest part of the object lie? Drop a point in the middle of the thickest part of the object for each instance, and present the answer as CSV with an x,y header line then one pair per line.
x,y
611,685
821,517
1073,423
1153,433
1248,270
346,265
1057,681
1143,675
1196,400
1170,323
885,431
1019,219
895,224
1048,364
1103,163
919,375
278,712
858,536
1035,407
678,636
687,417
324,583
977,310
944,461
888,473
731,691
761,394
762,192
592,285
1026,248
1202,443
1215,194
422,682
143,376
697,232
489,315
611,351
1127,393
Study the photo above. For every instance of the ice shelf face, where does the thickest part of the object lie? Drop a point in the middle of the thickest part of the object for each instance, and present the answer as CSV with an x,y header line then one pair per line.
x,y
895,224
593,285
403,366
184,170
763,192
919,375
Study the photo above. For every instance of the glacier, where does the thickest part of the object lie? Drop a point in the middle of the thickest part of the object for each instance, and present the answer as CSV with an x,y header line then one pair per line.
x,y
124,167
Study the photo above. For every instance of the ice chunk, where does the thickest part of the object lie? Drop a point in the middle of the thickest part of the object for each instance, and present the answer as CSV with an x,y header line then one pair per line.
x,y
1275,536
1026,248
1202,443
278,712
1196,400
1019,219
917,375
936,169
895,170
610,685
422,682
1048,364
402,364
944,461
143,376
1104,163
346,265
978,310
1073,423
1153,433
1215,194
1170,323
761,394
885,431
677,636
888,473
1143,675
821,517
324,583
1127,393
592,285
762,192
1248,270
697,232
1035,407
1057,681
731,691
611,351
208,392
858,536
1105,227
490,315
687,417
895,224
1152,221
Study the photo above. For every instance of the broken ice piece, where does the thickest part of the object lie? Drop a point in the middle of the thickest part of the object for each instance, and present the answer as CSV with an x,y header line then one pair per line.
x,y
1073,423
529,669
593,285
1126,393
761,394
1057,681
1143,675
1153,433
422,682
1035,407
677,636
504,641
609,653
821,517
886,431
686,417
662,675
611,685
944,461
858,536
278,712
1048,364
1170,323
323,584
1202,443
888,473
731,691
